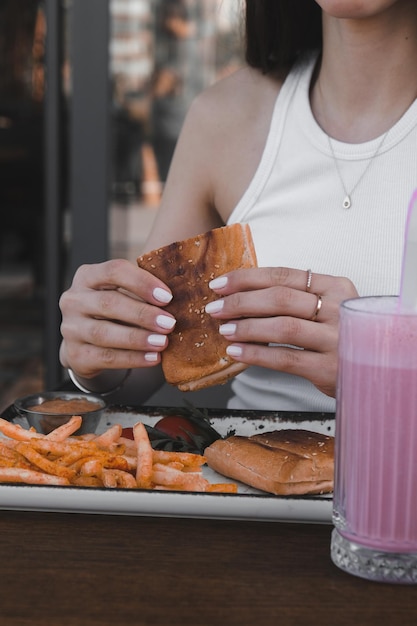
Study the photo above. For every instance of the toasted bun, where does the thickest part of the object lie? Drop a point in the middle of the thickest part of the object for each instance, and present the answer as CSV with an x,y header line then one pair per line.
x,y
282,462
196,354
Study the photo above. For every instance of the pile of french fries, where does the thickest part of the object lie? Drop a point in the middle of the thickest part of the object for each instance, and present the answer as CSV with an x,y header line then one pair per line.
x,y
106,460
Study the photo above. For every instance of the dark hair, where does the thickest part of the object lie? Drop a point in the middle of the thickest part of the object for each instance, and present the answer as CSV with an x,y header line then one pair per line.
x,y
278,31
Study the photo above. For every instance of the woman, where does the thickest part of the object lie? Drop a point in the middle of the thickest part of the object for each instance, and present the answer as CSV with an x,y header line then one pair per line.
x,y
313,144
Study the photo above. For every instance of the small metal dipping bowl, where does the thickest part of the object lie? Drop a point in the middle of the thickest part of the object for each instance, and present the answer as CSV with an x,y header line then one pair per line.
x,y
44,422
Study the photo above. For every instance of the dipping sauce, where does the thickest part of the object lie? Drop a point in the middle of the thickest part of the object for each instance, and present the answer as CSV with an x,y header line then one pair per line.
x,y
60,406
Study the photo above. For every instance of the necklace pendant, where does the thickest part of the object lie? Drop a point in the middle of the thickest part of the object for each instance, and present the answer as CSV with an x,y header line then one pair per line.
x,y
347,203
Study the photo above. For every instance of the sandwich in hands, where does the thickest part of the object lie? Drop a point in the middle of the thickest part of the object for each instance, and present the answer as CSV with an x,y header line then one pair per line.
x,y
282,462
196,354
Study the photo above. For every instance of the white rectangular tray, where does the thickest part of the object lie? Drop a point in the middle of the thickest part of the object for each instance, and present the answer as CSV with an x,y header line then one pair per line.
x,y
247,504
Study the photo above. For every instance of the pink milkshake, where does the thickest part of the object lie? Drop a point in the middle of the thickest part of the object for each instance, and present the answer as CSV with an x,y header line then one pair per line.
x,y
375,499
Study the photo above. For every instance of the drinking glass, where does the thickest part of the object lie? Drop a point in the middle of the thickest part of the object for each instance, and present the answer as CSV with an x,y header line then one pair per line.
x,y
375,492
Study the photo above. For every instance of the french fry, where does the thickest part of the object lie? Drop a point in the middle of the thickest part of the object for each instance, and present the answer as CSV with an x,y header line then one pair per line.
x,y
170,477
20,475
7,443
7,452
65,430
112,435
86,437
186,458
9,462
132,463
79,463
90,467
144,456
130,446
75,459
88,463
109,479
15,431
175,465
222,488
58,448
108,460
49,467
9,457
118,478
87,481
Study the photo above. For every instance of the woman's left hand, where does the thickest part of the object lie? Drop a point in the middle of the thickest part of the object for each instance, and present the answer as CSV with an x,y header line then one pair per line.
x,y
262,307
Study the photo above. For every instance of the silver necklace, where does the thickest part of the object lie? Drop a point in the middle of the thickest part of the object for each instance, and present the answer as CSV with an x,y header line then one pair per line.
x,y
347,202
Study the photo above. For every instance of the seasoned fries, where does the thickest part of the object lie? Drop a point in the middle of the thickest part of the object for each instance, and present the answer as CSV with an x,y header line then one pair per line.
x,y
144,456
106,460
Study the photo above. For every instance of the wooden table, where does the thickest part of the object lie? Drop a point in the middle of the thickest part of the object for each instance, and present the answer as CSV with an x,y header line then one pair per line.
x,y
69,569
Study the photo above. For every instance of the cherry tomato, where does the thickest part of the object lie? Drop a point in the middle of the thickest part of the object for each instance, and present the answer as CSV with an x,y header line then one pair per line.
x,y
177,426
127,433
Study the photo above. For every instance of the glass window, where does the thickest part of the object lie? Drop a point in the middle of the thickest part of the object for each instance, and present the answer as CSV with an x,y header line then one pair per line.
x,y
163,53
22,42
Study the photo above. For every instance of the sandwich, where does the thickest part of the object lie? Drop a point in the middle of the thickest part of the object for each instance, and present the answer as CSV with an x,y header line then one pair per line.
x,y
196,357
282,462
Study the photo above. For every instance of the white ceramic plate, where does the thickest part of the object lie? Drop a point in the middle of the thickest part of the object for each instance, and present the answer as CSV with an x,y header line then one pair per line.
x,y
247,504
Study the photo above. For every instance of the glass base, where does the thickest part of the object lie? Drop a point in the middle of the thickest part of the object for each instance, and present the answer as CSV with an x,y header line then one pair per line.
x,y
388,567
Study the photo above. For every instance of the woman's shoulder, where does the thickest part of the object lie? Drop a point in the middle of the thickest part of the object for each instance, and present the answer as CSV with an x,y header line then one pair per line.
x,y
237,99
245,79
226,132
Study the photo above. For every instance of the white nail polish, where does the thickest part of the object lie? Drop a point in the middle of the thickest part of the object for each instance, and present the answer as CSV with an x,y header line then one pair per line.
x,y
165,322
157,340
218,283
215,306
151,357
227,329
234,351
162,295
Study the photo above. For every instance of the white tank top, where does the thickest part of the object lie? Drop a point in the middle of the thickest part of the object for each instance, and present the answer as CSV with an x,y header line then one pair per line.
x,y
294,205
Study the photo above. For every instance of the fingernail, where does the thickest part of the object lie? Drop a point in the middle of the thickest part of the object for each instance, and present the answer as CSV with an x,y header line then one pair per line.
x,y
151,357
227,329
162,295
166,322
218,283
157,340
234,350
215,306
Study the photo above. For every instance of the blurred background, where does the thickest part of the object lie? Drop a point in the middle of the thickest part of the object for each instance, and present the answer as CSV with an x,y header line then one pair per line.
x,y
93,94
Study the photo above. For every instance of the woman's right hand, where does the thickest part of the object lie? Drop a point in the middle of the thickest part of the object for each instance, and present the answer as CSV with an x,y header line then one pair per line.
x,y
112,319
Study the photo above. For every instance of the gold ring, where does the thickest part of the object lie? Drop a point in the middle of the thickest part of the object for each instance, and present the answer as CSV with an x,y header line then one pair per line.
x,y
318,307
309,277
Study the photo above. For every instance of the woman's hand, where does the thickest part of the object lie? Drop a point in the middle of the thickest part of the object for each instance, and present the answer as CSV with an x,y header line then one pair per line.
x,y
266,306
112,319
